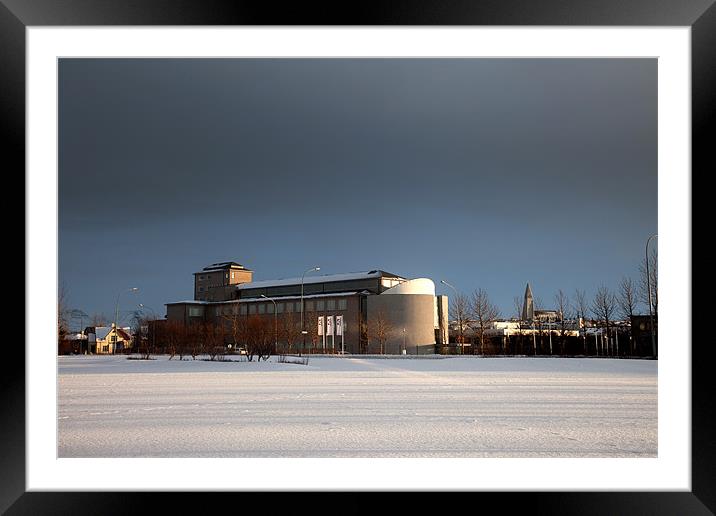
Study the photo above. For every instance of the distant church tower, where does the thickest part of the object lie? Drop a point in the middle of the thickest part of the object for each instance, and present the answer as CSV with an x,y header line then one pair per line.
x,y
528,308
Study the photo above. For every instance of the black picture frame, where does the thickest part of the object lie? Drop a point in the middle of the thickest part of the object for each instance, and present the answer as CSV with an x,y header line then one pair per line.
x,y
16,15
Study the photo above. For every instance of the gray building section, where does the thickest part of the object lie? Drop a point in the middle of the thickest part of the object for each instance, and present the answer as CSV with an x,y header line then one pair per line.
x,y
410,321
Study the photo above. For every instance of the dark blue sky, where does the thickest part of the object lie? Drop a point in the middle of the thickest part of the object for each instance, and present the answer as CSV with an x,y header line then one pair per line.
x,y
482,172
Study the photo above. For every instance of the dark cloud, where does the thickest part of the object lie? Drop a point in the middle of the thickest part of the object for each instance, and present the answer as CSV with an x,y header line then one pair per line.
x,y
484,172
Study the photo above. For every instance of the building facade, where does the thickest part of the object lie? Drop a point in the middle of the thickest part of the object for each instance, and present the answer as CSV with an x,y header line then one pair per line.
x,y
106,340
322,313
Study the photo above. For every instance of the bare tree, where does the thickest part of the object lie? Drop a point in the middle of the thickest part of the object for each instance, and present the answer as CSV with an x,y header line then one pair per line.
x,y
183,334
652,283
460,312
98,320
311,322
145,334
539,305
260,337
380,329
172,336
289,330
604,307
627,298
62,310
213,339
517,307
561,301
580,308
196,337
232,324
484,313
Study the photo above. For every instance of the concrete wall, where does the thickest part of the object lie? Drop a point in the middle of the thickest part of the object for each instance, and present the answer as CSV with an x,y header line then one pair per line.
x,y
414,312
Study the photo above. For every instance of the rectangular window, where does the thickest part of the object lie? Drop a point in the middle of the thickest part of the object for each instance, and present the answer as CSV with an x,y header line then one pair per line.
x,y
309,306
262,308
320,305
279,308
195,311
232,275
342,304
113,338
331,304
289,306
243,309
252,309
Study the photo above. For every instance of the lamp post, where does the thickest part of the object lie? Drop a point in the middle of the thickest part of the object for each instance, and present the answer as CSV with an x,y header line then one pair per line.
x,y
459,316
275,323
116,316
648,290
303,328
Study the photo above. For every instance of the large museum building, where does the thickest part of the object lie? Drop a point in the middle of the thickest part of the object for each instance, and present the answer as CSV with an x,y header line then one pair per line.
x,y
360,312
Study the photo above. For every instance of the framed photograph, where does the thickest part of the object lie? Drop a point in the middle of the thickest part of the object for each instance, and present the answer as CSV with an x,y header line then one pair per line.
x,y
60,60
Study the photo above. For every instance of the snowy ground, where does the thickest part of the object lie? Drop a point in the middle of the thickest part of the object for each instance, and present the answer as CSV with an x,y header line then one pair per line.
x,y
358,407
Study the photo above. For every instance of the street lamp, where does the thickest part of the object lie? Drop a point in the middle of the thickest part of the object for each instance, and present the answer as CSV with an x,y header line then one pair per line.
x,y
116,315
303,328
459,316
275,323
648,290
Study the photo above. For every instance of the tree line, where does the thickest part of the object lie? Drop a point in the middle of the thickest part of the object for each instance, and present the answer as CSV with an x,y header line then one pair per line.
x,y
475,315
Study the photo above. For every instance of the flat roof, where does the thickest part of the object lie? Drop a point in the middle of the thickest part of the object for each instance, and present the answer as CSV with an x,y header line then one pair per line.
x,y
326,278
268,299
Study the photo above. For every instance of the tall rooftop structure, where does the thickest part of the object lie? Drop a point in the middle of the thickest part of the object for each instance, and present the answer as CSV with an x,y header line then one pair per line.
x,y
218,275
528,307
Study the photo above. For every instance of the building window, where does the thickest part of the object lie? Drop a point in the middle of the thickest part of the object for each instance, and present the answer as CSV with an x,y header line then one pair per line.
x,y
252,309
105,348
232,275
320,305
310,306
342,304
279,308
113,338
331,304
262,308
289,306
243,309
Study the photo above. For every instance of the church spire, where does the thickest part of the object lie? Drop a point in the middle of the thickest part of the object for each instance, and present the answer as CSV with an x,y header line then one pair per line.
x,y
528,308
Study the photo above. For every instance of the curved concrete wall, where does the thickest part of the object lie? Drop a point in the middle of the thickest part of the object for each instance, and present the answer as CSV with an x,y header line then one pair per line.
x,y
414,312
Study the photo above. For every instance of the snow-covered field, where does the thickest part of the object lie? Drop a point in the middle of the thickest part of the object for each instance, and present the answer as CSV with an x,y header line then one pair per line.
x,y
357,407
